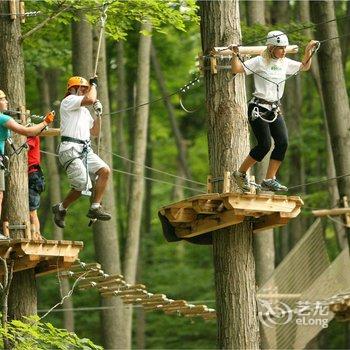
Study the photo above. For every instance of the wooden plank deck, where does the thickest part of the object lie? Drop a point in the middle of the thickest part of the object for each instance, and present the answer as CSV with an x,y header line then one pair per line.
x,y
46,256
202,214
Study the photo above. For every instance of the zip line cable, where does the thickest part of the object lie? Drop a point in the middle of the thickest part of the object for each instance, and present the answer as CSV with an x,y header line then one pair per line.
x,y
145,177
154,169
299,29
193,189
320,181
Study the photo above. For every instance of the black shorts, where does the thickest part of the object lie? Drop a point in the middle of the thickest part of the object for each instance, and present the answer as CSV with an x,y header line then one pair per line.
x,y
36,184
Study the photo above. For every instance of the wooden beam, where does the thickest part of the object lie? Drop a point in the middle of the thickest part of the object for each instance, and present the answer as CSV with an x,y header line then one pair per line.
x,y
13,10
249,50
50,132
269,221
180,214
22,11
209,184
331,212
213,65
227,182
208,224
259,203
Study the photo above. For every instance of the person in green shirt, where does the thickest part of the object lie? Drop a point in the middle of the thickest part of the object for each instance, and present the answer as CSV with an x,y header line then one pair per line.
x,y
8,124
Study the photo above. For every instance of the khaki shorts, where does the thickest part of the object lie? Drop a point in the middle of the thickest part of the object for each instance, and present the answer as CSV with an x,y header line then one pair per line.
x,y
2,180
78,177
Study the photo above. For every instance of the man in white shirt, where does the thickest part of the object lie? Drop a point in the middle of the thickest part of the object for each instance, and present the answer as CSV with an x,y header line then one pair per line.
x,y
75,153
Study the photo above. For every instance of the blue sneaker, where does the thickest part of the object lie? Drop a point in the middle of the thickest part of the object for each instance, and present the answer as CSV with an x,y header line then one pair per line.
x,y
273,185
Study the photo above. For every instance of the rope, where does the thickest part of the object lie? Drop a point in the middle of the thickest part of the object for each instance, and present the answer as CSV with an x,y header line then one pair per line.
x,y
155,100
103,23
68,295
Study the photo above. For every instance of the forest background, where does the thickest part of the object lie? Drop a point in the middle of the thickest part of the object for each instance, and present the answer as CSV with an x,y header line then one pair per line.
x,y
179,270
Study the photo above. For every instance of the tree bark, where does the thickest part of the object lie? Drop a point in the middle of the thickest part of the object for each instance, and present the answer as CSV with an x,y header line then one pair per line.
x,y
296,169
106,232
22,296
346,40
304,11
53,181
256,12
263,242
82,46
280,11
140,145
334,92
122,147
228,144
179,140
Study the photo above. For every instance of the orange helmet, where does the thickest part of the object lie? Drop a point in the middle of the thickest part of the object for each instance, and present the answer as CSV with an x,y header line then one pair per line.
x,y
2,94
77,81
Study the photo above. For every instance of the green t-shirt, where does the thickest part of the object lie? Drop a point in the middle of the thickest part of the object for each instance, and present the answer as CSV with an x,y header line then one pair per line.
x,y
4,132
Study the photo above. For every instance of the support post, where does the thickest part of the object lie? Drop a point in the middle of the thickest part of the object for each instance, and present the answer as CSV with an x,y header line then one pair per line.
x,y
22,12
209,184
346,215
226,184
12,7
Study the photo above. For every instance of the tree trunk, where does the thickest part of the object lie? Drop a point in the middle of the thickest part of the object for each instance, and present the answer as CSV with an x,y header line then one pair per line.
x,y
304,11
280,11
256,12
296,169
263,242
179,140
82,46
122,147
22,296
53,177
346,40
228,145
106,232
140,145
334,92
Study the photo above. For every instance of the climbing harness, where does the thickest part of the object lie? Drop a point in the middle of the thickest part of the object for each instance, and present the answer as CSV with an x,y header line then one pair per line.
x,y
83,156
274,112
103,24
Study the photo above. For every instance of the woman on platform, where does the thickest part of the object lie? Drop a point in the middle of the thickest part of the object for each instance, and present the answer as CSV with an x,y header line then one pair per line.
x,y
270,70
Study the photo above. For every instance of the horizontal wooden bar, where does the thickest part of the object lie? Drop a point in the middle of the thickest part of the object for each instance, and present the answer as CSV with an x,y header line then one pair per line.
x,y
331,212
249,50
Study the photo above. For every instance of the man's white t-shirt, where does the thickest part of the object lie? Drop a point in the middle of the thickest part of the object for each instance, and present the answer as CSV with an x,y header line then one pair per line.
x,y
275,71
76,121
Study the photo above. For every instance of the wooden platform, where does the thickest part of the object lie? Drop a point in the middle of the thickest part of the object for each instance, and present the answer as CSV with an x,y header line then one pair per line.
x,y
202,214
341,308
46,256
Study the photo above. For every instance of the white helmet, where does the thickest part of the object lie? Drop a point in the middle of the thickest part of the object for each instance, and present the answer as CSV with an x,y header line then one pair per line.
x,y
277,38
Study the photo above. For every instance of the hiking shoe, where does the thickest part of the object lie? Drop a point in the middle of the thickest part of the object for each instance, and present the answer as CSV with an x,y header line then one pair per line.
x,y
273,185
99,214
59,215
242,181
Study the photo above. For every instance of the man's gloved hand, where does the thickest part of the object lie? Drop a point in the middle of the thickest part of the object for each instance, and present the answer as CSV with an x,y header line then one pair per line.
x,y
49,117
97,107
93,81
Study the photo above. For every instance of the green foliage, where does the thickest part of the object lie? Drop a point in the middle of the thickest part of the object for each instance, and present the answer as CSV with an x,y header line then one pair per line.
x,y
33,334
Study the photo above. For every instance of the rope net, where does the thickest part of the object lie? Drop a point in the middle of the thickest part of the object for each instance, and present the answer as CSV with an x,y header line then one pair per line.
x,y
282,293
